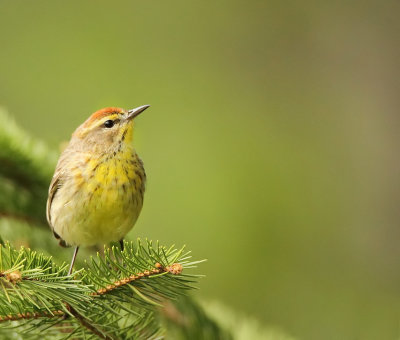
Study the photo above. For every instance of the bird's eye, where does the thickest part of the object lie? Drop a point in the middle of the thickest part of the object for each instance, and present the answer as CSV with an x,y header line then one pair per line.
x,y
109,124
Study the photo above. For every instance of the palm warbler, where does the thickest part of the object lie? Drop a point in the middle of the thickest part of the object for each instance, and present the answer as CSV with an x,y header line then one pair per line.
x,y
96,193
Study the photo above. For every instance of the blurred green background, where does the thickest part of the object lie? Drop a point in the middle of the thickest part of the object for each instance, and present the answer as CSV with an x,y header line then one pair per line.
x,y
271,146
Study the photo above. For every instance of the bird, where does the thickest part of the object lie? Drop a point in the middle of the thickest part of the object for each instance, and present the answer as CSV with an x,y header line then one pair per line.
x,y
97,190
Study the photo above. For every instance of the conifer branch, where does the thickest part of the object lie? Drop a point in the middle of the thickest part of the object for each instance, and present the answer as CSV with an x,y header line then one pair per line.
x,y
118,287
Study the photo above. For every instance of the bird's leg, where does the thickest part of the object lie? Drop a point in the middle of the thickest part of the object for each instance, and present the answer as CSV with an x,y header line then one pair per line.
x,y
73,260
121,243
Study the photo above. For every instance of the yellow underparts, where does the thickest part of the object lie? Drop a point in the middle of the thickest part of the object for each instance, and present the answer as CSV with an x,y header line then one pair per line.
x,y
101,199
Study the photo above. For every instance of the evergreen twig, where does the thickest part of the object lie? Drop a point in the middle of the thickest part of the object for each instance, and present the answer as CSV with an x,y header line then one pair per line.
x,y
125,286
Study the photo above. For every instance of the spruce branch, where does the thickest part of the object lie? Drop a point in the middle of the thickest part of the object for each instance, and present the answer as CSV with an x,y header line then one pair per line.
x,y
117,296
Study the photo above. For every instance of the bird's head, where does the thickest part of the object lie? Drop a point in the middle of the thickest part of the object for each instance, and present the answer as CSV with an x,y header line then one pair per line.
x,y
107,129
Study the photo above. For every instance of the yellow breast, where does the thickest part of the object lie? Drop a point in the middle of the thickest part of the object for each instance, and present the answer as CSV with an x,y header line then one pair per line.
x,y
100,201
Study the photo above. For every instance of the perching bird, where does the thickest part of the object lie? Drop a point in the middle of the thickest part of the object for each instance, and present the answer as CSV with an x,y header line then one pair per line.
x,y
96,193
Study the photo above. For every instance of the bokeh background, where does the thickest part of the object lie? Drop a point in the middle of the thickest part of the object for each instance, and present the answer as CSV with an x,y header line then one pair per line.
x,y
271,146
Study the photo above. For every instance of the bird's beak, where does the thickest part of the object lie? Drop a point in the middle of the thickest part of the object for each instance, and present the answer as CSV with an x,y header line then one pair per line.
x,y
135,112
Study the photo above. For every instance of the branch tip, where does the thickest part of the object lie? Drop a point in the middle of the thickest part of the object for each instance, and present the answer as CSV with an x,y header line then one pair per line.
x,y
14,277
175,269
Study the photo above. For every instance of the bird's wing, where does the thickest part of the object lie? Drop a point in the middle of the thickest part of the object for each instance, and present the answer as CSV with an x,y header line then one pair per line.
x,y
56,182
54,186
